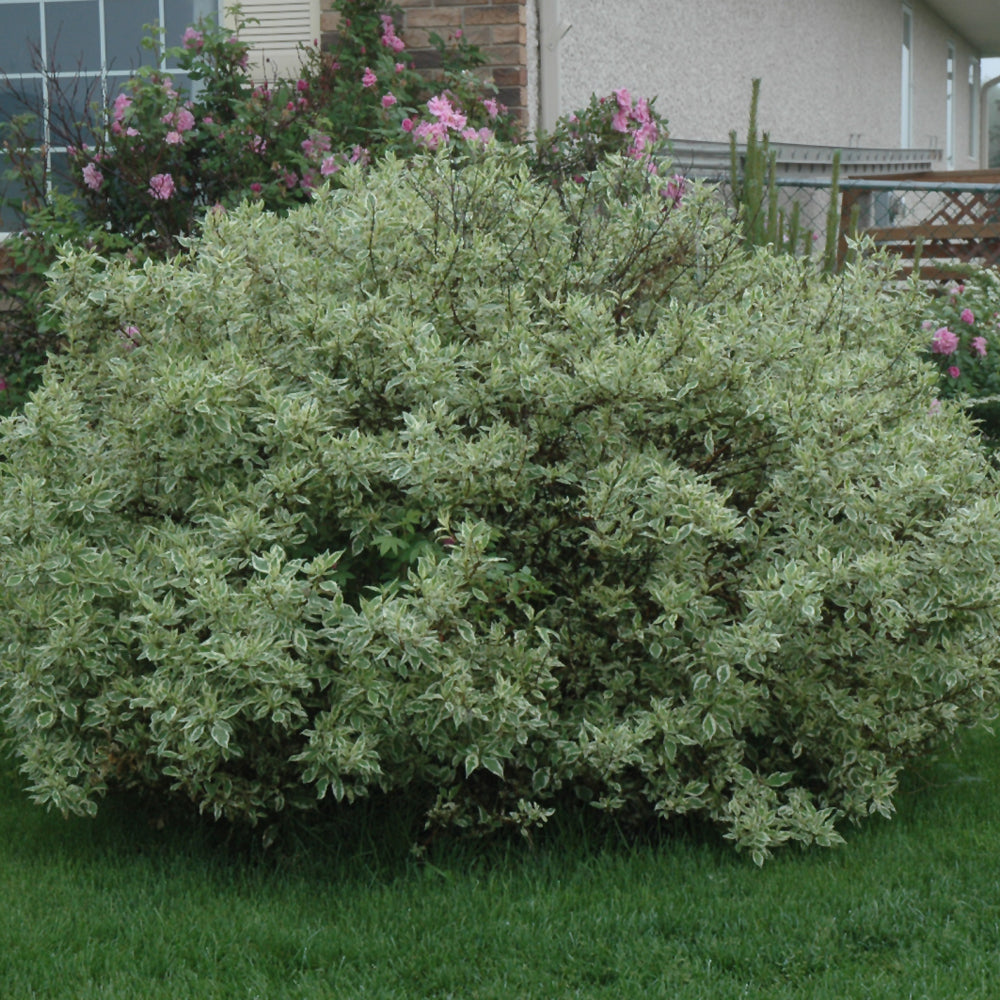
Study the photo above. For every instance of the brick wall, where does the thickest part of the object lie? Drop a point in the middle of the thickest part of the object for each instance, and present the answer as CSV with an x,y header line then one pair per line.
x,y
498,28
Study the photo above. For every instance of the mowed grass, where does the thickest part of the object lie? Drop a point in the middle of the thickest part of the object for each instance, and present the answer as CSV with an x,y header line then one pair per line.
x,y
120,908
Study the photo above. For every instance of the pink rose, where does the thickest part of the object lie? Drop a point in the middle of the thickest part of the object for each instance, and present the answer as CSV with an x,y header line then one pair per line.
x,y
181,119
944,341
978,346
967,316
369,79
92,177
441,108
121,105
954,371
161,186
389,37
431,134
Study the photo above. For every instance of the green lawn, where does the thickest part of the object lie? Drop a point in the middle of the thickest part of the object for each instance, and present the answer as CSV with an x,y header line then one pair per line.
x,y
117,908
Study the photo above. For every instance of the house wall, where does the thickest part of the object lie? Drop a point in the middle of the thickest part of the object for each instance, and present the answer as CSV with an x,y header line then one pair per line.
x,y
820,64
930,52
830,69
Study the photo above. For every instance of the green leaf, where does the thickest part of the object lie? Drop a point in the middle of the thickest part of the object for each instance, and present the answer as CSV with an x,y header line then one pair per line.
x,y
220,733
493,765
779,778
708,726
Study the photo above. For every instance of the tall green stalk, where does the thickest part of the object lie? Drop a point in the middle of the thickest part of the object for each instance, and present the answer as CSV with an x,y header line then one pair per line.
x,y
755,192
833,219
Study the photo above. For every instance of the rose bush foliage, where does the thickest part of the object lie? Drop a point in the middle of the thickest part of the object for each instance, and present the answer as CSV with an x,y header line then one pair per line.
x,y
456,485
960,332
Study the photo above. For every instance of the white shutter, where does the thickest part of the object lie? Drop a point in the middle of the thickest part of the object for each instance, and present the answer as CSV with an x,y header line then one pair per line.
x,y
277,29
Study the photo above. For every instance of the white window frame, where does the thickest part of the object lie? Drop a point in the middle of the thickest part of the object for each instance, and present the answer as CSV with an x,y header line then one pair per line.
x,y
973,108
906,81
949,108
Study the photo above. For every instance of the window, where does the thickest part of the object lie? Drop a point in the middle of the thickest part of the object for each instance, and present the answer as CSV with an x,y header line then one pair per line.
x,y
57,57
974,109
949,139
906,84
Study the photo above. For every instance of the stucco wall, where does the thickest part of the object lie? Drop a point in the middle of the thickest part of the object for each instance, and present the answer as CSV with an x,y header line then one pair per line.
x,y
830,69
930,53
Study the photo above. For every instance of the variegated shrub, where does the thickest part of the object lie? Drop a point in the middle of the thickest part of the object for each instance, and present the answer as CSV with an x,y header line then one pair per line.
x,y
457,485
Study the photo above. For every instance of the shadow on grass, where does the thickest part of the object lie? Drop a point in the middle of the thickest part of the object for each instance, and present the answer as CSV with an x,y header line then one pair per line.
x,y
384,837
375,839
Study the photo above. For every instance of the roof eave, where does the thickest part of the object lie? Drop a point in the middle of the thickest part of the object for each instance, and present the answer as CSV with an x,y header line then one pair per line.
x,y
977,21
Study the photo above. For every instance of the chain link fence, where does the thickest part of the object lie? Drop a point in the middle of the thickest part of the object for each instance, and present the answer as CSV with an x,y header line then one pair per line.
x,y
942,223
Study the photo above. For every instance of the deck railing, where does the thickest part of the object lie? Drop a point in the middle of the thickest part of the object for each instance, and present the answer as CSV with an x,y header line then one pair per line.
x,y
946,221
943,221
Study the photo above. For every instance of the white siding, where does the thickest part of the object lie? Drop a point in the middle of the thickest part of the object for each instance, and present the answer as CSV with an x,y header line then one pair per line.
x,y
283,25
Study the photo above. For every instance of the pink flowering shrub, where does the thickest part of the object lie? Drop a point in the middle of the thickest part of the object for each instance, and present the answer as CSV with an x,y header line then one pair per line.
x,y
163,157
144,169
375,99
617,123
960,335
445,123
147,167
